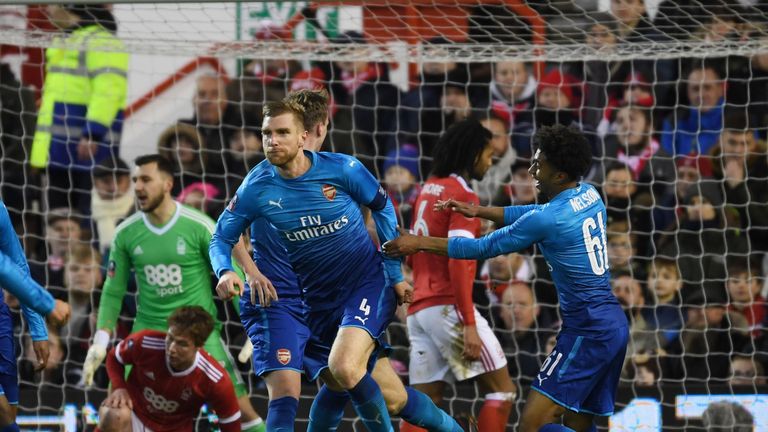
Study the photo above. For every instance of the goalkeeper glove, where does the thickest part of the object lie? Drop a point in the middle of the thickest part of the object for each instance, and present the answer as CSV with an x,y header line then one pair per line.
x,y
96,354
246,352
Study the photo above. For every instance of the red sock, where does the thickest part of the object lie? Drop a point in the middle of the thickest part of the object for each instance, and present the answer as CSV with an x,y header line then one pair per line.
x,y
494,415
407,427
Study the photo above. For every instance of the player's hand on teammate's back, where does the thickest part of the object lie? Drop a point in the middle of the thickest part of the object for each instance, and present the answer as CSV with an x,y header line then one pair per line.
x,y
406,244
60,313
118,399
466,209
472,343
229,286
404,292
42,352
262,288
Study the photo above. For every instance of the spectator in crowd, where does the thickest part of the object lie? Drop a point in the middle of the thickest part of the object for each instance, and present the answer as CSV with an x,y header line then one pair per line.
x,y
748,86
263,79
727,416
601,78
703,240
490,190
513,90
401,169
740,164
81,112
643,370
718,24
624,200
62,235
244,149
522,189
690,170
634,23
183,145
16,121
695,129
622,250
744,285
745,371
642,338
499,272
459,101
83,279
111,199
633,144
557,98
420,113
520,333
366,104
213,119
665,315
201,196
710,336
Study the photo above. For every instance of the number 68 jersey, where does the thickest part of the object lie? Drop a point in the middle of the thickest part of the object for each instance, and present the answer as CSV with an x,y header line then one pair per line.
x,y
570,230
171,265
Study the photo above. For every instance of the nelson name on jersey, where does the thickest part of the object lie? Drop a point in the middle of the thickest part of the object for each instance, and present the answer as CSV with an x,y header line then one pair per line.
x,y
584,200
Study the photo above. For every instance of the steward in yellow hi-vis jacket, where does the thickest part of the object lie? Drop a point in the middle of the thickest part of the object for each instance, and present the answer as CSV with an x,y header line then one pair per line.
x,y
84,95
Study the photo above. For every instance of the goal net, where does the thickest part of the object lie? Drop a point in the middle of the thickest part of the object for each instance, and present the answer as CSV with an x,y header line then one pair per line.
x,y
672,96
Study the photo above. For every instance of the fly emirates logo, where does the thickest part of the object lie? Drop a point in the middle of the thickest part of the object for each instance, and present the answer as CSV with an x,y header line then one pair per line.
x,y
314,227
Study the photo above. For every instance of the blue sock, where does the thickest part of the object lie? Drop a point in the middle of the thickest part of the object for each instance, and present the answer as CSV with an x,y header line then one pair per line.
x,y
13,427
420,411
282,414
327,410
551,427
370,406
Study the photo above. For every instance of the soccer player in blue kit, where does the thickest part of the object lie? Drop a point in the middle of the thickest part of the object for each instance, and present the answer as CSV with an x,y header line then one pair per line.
x,y
35,302
578,379
312,201
278,330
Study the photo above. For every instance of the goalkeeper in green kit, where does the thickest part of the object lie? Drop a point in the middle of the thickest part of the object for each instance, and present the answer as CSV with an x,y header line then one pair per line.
x,y
166,245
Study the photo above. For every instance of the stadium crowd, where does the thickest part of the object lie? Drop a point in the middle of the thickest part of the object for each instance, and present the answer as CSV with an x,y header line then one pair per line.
x,y
680,157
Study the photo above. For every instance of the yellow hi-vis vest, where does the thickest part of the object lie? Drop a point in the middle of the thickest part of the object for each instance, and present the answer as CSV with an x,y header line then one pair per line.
x,y
84,94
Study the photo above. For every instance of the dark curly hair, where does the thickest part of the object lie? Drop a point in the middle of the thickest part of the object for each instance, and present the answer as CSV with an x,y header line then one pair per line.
x,y
566,148
459,147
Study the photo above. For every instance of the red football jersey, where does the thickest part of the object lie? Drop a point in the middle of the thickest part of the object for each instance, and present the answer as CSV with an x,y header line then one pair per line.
x,y
439,280
166,400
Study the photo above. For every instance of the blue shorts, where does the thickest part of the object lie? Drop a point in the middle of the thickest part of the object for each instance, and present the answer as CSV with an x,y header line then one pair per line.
x,y
370,306
9,381
279,334
582,372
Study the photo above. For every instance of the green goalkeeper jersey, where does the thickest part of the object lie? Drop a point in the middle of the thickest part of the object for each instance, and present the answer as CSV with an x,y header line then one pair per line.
x,y
171,264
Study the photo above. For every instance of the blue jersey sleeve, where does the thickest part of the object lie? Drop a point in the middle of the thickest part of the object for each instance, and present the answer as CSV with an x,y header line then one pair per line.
x,y
513,213
11,248
231,224
366,190
530,228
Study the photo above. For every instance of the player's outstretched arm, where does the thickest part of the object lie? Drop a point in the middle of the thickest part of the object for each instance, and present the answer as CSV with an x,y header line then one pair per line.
x,y
408,244
11,246
470,210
